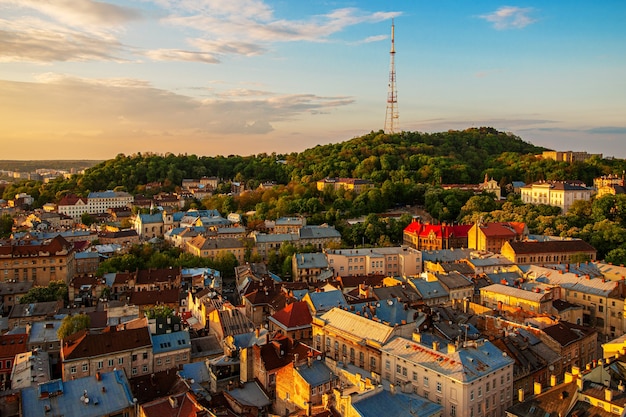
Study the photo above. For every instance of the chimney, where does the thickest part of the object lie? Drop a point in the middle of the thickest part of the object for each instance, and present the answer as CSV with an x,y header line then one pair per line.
x,y
579,384
392,389
173,402
575,370
568,377
621,387
451,348
98,376
608,395
520,395
417,337
435,345
537,388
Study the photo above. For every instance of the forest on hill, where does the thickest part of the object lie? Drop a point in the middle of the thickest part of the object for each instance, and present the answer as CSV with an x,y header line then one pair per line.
x,y
406,168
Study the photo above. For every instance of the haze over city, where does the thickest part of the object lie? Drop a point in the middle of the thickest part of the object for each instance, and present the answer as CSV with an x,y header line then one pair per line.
x,y
87,79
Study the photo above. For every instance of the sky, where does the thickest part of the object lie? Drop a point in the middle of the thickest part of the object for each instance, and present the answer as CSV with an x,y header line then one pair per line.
x,y
85,79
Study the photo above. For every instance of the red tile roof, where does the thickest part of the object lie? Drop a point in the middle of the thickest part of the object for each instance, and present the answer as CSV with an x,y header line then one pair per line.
x,y
167,296
85,344
440,230
12,344
551,246
294,315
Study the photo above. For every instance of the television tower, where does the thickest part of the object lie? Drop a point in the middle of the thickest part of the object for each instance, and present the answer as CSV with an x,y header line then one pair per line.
x,y
391,115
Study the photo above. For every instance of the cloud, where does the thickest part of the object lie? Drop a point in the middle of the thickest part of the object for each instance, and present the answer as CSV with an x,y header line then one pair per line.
x,y
180,55
64,106
33,40
510,17
79,13
608,130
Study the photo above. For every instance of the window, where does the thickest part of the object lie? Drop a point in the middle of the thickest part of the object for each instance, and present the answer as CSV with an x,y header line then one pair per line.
x,y
110,363
120,361
100,365
134,358
480,391
134,371
403,371
387,364
487,387
145,355
438,386
144,368
414,376
85,367
472,395
425,381
453,410
73,370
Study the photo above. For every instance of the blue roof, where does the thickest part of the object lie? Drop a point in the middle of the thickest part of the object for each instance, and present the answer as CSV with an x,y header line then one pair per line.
x,y
86,255
429,289
388,311
316,374
170,342
151,218
110,395
324,301
178,215
108,194
384,403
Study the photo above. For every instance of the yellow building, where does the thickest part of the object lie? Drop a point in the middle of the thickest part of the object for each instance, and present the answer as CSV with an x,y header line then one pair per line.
x,y
554,193
497,295
351,184
546,252
214,248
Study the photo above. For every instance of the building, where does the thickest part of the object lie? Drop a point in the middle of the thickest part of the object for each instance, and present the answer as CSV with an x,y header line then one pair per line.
x,y
302,387
170,350
491,236
422,236
87,353
569,156
23,314
470,379
575,344
309,267
548,252
73,206
351,338
554,193
103,394
289,225
349,184
294,321
11,292
37,261
396,261
214,248
102,201
30,369
497,295
319,237
10,346
149,226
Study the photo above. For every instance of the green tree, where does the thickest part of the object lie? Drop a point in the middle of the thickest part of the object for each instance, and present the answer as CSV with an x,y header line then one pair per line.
x,y
160,311
6,225
87,219
55,291
72,324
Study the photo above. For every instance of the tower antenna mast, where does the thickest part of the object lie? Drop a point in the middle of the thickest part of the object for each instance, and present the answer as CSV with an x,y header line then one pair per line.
x,y
391,115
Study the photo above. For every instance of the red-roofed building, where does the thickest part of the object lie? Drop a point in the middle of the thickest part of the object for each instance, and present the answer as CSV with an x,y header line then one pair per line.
x,y
73,206
147,300
491,236
86,353
10,345
39,261
179,405
422,236
294,320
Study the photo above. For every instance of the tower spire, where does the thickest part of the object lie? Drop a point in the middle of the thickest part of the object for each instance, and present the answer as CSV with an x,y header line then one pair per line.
x,y
391,115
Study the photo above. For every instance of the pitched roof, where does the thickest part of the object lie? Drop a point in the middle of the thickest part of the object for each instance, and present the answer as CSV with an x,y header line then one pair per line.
x,y
293,315
85,344
551,246
167,296
357,326
440,230
566,333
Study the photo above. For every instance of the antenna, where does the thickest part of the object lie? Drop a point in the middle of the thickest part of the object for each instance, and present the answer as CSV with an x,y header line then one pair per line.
x,y
391,115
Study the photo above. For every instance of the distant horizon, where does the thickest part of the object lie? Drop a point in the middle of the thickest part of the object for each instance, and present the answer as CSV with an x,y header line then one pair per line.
x,y
91,79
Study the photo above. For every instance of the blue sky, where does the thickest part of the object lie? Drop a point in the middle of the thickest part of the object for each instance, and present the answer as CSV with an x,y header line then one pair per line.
x,y
87,79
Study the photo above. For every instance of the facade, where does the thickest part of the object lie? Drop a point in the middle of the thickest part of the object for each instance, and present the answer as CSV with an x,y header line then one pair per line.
x,y
569,156
87,354
351,338
149,226
40,262
554,193
491,236
398,261
289,224
10,346
213,248
473,379
307,267
294,321
100,202
552,251
170,350
430,237
11,292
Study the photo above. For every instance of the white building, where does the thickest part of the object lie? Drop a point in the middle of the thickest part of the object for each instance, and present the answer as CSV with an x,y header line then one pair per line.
x,y
469,381
554,193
